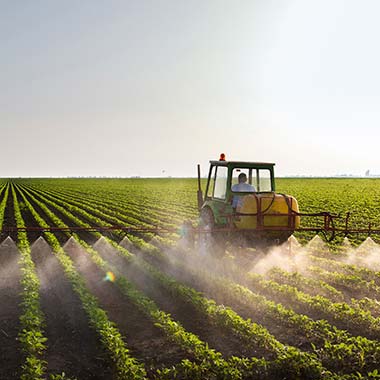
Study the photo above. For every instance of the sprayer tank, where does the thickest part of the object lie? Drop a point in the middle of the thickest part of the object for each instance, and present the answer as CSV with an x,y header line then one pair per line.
x,y
267,210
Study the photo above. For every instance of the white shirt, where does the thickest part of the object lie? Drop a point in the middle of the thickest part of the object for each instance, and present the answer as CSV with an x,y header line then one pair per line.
x,y
240,187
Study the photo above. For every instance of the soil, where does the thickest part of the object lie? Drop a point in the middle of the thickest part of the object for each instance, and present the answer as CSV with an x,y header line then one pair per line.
x,y
181,310
73,347
284,334
145,341
190,318
300,308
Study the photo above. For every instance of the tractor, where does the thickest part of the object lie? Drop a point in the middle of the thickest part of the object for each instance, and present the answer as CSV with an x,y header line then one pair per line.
x,y
252,214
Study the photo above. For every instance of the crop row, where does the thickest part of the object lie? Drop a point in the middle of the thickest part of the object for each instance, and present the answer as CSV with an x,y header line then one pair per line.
x,y
115,214
85,210
175,330
97,220
340,313
335,348
227,317
94,216
153,198
169,281
127,366
4,191
31,335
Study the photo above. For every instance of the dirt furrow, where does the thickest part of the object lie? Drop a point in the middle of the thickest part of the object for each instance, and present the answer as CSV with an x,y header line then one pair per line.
x,y
72,346
145,341
284,333
181,310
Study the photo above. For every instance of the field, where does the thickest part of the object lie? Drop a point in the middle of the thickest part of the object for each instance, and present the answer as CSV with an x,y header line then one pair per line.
x,y
81,304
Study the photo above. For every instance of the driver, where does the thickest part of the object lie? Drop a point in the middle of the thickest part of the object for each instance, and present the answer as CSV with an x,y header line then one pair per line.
x,y
242,186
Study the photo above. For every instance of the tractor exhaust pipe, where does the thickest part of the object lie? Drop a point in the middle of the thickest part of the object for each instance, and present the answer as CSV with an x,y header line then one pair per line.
x,y
199,193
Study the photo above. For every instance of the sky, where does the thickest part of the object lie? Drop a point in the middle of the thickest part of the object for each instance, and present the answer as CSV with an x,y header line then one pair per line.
x,y
152,88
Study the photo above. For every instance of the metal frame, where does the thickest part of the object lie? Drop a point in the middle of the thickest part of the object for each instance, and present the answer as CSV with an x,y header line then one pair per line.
x,y
328,226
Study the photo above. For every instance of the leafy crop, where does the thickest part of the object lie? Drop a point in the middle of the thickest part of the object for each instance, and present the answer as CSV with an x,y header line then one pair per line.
x,y
331,305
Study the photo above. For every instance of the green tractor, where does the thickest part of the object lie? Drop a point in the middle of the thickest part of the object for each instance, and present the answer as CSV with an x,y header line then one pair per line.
x,y
240,205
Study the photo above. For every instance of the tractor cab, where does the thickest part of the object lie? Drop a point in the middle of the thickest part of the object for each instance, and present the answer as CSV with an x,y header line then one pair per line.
x,y
220,194
240,198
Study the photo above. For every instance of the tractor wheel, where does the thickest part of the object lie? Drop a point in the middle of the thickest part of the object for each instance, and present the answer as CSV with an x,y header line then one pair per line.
x,y
211,241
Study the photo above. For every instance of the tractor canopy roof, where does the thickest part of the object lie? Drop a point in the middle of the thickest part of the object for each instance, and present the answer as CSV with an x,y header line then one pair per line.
x,y
243,164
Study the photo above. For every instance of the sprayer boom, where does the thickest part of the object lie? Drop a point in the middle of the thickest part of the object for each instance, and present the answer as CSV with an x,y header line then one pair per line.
x,y
326,227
